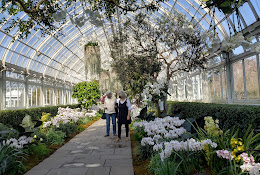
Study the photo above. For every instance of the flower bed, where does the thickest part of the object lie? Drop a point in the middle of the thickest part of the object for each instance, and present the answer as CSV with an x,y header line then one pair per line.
x,y
173,150
32,141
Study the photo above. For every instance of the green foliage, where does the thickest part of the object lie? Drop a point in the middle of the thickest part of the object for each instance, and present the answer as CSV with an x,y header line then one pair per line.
x,y
27,122
10,160
68,128
55,137
40,150
139,134
84,121
91,44
240,116
226,6
167,167
45,117
135,71
15,117
87,93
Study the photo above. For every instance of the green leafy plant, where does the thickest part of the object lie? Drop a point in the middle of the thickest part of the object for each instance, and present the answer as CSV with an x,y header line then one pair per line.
x,y
10,160
90,43
68,128
15,117
40,150
55,137
226,6
167,167
87,93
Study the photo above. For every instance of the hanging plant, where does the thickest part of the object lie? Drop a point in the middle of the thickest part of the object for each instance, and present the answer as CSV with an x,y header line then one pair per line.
x,y
226,6
90,43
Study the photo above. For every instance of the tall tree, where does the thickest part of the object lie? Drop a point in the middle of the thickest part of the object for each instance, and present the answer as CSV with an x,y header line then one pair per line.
x,y
170,40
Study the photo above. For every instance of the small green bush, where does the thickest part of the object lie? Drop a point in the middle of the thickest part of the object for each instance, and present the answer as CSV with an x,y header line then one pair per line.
x,y
15,117
68,128
54,137
39,150
84,121
228,115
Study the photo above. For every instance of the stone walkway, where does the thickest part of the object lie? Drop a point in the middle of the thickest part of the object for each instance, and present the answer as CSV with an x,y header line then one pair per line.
x,y
89,153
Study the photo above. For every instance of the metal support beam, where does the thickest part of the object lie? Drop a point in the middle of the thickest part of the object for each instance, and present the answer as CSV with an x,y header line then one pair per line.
x,y
229,77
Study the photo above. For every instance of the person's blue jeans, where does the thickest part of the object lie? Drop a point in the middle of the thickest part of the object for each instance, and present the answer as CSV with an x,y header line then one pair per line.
x,y
113,116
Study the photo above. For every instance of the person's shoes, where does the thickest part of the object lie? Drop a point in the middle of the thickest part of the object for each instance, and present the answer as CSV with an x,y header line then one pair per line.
x,y
117,140
115,134
106,135
127,139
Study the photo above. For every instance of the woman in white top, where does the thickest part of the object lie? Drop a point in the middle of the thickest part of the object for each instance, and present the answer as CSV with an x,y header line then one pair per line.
x,y
124,110
110,104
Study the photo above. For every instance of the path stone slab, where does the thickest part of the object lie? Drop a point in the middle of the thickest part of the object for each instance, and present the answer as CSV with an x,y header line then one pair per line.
x,y
89,153
77,171
58,171
119,162
98,171
37,171
122,171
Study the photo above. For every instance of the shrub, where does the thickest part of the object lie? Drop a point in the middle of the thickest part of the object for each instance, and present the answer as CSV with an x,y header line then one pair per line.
x,y
15,117
228,115
39,150
87,93
68,128
54,137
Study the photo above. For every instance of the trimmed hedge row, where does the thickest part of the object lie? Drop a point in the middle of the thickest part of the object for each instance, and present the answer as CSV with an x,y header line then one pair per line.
x,y
228,115
15,117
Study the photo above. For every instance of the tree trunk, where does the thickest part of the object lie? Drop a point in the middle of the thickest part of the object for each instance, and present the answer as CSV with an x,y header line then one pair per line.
x,y
157,105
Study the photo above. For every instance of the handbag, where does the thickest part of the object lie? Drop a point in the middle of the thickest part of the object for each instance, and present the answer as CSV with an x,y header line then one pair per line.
x,y
103,116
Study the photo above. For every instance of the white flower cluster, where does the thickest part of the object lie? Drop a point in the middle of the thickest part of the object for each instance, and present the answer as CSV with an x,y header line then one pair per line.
x,y
224,154
234,42
23,140
64,116
135,111
91,114
249,164
165,127
162,129
188,145
155,88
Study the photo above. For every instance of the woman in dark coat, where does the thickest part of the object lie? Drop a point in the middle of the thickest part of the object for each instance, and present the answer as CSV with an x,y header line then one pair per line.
x,y
124,110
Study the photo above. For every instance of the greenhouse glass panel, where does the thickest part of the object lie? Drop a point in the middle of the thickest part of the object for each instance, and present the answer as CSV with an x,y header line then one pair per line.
x,y
224,84
217,85
238,80
251,78
48,94
211,86
34,94
247,14
256,4
21,92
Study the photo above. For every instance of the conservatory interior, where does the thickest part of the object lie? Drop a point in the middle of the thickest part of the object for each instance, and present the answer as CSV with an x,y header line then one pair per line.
x,y
189,68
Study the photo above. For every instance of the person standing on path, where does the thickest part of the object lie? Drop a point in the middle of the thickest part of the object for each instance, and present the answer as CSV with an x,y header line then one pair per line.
x,y
110,103
124,110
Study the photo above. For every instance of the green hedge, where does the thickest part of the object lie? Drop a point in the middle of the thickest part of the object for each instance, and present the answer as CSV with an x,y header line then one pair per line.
x,y
229,115
15,117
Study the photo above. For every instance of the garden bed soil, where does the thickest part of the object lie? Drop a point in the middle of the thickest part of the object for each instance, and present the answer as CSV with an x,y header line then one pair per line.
x,y
140,166
31,161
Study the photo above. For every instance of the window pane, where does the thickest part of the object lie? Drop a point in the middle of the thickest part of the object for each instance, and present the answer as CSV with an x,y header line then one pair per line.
x,y
238,80
217,84
251,78
224,85
211,87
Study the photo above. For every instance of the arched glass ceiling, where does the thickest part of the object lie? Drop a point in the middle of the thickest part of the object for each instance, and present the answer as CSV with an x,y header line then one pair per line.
x,y
62,57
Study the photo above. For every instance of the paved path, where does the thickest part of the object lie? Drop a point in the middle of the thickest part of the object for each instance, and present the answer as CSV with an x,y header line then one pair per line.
x,y
89,153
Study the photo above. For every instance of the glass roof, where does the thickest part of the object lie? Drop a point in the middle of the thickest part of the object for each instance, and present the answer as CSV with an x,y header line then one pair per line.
x,y
62,57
